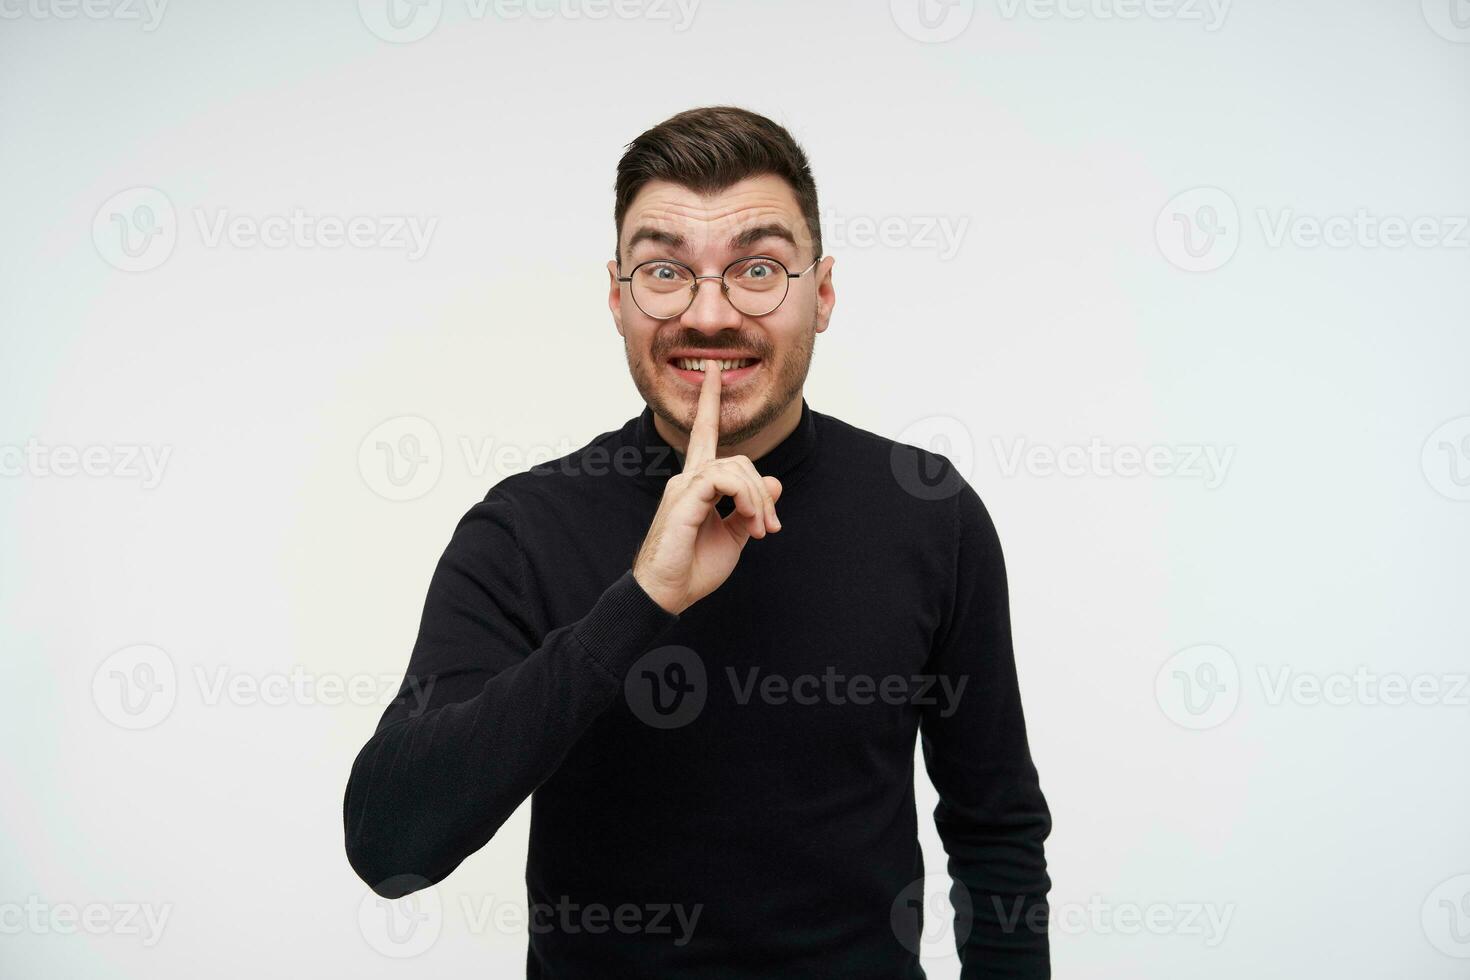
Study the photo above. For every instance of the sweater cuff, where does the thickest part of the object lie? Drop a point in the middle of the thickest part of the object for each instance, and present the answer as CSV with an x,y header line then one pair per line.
x,y
621,625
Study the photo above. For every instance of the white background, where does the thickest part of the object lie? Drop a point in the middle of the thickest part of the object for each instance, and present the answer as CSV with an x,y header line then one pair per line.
x,y
1328,548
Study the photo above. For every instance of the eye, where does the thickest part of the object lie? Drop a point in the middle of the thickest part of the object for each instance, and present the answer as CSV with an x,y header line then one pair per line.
x,y
662,275
760,270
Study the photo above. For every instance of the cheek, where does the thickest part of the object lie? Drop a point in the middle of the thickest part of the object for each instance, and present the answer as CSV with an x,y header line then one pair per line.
x,y
639,339
783,339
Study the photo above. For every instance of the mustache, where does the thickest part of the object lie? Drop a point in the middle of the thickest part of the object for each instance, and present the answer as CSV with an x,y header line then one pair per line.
x,y
725,340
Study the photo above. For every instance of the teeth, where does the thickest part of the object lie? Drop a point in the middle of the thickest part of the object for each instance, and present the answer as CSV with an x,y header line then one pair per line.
x,y
697,363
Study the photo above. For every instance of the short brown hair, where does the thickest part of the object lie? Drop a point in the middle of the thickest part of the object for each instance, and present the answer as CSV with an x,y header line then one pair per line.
x,y
709,149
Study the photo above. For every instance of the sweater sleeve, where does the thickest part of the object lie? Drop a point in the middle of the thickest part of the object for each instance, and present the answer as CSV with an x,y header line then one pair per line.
x,y
485,713
992,816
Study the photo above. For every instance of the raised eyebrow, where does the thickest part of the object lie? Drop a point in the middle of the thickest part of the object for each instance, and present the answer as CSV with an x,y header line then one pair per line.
x,y
744,239
668,239
750,236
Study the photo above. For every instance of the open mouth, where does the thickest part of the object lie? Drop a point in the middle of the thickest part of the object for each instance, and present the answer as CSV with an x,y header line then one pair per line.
x,y
732,369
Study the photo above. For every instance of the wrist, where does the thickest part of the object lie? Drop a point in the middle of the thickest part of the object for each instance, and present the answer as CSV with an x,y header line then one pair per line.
x,y
660,597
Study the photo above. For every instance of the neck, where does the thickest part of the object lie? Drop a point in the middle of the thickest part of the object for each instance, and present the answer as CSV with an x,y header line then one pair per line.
x,y
755,447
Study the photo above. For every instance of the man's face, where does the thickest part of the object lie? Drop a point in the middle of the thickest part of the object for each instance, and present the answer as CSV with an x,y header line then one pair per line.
x,y
757,216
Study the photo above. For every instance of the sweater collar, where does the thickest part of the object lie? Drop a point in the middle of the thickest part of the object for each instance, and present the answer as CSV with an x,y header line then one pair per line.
x,y
661,461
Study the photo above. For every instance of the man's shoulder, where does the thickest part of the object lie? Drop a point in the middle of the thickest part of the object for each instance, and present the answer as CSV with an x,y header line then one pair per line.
x,y
924,465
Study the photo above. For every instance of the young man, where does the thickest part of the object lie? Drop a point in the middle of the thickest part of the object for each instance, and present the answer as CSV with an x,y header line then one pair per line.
x,y
707,640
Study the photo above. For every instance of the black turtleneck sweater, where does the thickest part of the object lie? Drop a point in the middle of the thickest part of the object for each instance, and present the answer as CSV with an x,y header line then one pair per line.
x,y
728,792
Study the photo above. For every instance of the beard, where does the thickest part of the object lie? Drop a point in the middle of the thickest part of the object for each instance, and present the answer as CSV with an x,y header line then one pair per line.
x,y
741,417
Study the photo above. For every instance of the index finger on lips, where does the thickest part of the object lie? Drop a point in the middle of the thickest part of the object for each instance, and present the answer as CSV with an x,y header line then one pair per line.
x,y
704,435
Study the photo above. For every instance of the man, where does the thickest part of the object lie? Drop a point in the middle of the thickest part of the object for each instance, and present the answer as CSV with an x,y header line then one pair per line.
x,y
707,640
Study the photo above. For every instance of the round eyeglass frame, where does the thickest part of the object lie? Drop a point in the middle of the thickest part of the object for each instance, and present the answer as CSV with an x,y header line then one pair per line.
x,y
724,286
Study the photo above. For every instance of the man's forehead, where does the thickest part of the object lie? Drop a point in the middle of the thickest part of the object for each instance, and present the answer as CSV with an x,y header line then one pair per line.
x,y
671,215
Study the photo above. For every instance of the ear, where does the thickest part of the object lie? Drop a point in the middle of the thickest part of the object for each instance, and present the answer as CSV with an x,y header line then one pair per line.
x,y
826,294
615,296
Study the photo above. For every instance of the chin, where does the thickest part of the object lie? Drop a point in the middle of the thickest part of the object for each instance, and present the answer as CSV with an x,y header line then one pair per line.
x,y
736,409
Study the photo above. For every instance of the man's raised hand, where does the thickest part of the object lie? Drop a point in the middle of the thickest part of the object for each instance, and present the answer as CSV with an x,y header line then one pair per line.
x,y
690,550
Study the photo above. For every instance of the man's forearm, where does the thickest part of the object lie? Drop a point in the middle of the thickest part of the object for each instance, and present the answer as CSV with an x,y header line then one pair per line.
x,y
427,791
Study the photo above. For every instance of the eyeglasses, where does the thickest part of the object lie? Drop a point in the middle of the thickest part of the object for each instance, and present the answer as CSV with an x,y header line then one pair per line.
x,y
755,285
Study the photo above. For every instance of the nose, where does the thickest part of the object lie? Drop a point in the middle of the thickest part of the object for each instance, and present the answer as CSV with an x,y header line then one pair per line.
x,y
711,311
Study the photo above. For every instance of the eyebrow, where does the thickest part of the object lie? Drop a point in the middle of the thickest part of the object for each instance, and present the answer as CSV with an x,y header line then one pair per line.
x,y
744,239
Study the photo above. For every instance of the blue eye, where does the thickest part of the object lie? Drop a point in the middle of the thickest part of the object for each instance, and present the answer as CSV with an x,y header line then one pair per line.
x,y
758,273
664,272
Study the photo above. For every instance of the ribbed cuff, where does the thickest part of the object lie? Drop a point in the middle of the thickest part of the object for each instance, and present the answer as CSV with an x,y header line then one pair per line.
x,y
621,625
